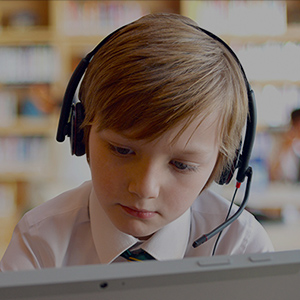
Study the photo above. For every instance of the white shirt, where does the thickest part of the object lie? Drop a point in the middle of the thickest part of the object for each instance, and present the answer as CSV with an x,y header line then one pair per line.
x,y
72,229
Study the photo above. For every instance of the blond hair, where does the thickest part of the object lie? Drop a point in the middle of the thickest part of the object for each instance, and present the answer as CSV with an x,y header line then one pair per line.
x,y
158,71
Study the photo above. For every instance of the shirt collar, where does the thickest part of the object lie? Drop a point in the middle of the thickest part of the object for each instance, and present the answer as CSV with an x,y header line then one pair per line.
x,y
170,242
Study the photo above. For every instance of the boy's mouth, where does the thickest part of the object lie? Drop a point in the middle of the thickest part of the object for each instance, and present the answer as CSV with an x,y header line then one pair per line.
x,y
138,213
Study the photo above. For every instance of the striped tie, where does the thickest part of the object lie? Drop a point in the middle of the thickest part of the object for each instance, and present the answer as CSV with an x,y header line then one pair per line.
x,y
137,255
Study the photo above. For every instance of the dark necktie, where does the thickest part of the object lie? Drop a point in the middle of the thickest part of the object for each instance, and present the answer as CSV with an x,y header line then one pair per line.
x,y
137,255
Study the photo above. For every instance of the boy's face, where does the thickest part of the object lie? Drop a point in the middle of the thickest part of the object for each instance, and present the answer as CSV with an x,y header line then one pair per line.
x,y
142,186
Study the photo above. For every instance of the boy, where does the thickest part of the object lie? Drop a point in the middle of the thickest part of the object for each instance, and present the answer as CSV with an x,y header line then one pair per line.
x,y
165,105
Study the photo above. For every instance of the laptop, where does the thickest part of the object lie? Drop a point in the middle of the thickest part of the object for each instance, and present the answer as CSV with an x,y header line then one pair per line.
x,y
266,276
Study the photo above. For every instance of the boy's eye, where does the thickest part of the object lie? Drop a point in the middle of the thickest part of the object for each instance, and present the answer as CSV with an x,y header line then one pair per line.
x,y
183,166
121,150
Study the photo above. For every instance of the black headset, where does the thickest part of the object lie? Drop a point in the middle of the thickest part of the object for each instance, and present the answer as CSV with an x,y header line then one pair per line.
x,y
72,115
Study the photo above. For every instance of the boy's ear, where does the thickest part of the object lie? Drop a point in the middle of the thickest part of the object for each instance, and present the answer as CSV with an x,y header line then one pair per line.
x,y
77,133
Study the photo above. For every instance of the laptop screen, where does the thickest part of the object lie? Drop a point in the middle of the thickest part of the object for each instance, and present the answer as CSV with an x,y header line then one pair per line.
x,y
263,276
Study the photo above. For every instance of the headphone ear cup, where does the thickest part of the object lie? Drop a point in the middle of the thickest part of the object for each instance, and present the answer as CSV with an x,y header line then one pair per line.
x,y
227,174
77,134
229,170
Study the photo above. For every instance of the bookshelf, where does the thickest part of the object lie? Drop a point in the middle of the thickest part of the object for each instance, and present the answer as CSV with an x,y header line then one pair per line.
x,y
28,68
42,41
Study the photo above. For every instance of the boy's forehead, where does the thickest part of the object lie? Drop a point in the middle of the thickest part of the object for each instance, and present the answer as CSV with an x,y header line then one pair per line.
x,y
199,127
182,133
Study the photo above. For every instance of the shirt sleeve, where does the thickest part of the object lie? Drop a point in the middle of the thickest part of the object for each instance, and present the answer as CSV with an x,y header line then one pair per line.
x,y
251,237
22,250
258,241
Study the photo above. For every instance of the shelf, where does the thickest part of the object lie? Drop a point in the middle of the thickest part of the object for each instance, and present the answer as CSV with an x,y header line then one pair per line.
x,y
23,176
278,83
275,195
291,35
26,126
26,36
81,40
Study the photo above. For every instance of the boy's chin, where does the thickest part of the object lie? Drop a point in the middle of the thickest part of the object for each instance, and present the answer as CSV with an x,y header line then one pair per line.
x,y
138,233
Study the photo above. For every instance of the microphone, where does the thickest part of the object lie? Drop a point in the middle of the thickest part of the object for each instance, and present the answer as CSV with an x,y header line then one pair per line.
x,y
205,237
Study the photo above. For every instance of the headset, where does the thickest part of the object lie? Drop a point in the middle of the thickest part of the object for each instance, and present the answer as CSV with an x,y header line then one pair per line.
x,y
72,116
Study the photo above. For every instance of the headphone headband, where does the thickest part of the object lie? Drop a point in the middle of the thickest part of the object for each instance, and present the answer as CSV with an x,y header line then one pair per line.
x,y
243,160
64,124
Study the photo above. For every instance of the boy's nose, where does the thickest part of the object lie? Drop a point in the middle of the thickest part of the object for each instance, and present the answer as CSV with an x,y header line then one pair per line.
x,y
144,181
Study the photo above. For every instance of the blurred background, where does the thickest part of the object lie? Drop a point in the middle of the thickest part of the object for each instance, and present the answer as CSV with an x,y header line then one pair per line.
x,y
41,43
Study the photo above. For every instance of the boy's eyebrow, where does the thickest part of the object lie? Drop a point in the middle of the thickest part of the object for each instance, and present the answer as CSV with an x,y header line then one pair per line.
x,y
122,135
195,151
187,150
198,151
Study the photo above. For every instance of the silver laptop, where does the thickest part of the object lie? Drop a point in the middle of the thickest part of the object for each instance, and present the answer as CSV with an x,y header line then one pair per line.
x,y
267,276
